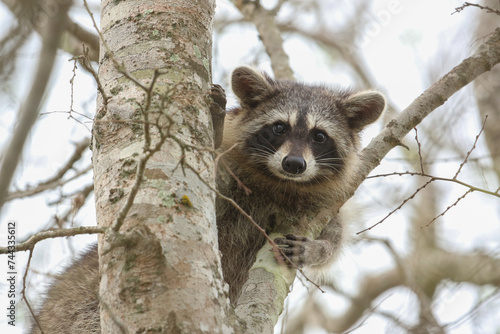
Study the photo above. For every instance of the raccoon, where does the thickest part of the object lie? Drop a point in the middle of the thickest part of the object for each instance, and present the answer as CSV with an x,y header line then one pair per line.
x,y
72,302
290,150
293,149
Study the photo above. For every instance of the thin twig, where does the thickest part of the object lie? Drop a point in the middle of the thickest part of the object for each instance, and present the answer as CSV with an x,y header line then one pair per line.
x,y
468,4
396,209
472,149
437,178
475,309
56,179
449,207
419,151
72,84
86,64
148,152
23,291
444,160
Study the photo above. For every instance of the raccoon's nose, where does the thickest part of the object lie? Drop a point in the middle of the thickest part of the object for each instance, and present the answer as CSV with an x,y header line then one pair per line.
x,y
293,164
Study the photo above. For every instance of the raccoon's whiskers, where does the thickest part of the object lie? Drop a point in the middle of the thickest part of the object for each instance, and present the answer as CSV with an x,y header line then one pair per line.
x,y
265,149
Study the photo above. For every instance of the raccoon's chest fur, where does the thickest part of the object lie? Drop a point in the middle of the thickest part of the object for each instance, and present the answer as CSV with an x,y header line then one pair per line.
x,y
239,239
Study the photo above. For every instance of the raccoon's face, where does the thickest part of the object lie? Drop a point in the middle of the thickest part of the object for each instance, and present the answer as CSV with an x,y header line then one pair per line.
x,y
291,146
287,131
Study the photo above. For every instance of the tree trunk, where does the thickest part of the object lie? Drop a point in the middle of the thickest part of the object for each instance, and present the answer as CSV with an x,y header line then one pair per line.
x,y
159,264
487,90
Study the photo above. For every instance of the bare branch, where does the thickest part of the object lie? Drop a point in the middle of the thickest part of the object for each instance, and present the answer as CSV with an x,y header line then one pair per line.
x,y
269,34
370,288
442,160
449,207
472,149
419,152
468,4
70,232
28,112
73,34
483,60
437,265
487,56
83,36
437,178
56,180
44,186
399,207
327,40
84,60
77,200
478,269
475,309
23,291
148,150
432,178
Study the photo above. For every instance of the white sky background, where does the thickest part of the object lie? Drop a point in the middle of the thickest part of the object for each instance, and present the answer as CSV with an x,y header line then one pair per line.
x,y
401,41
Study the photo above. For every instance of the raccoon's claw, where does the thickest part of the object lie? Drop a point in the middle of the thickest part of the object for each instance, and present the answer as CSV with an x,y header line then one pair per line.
x,y
302,251
293,247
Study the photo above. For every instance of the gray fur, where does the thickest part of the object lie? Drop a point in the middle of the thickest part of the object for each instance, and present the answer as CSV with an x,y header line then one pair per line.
x,y
273,198
72,304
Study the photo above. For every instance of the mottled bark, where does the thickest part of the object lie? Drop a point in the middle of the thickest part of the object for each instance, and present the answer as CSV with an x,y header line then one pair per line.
x,y
159,264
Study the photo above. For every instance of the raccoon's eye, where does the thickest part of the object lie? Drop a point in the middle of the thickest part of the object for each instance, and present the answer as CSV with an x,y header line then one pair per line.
x,y
279,128
320,137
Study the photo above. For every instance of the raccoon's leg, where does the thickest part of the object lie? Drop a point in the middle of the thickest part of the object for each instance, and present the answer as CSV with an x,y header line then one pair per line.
x,y
304,252
218,111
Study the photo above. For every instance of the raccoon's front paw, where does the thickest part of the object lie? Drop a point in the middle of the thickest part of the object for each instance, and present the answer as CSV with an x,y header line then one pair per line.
x,y
218,96
302,251
218,111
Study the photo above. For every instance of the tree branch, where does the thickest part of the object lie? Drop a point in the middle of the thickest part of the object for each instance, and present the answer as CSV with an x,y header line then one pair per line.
x,y
29,110
370,288
78,35
56,180
483,60
468,4
270,36
73,36
70,232
487,56
435,266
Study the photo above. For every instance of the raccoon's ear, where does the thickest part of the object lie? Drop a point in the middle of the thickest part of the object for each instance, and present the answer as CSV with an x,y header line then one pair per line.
x,y
364,108
250,86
